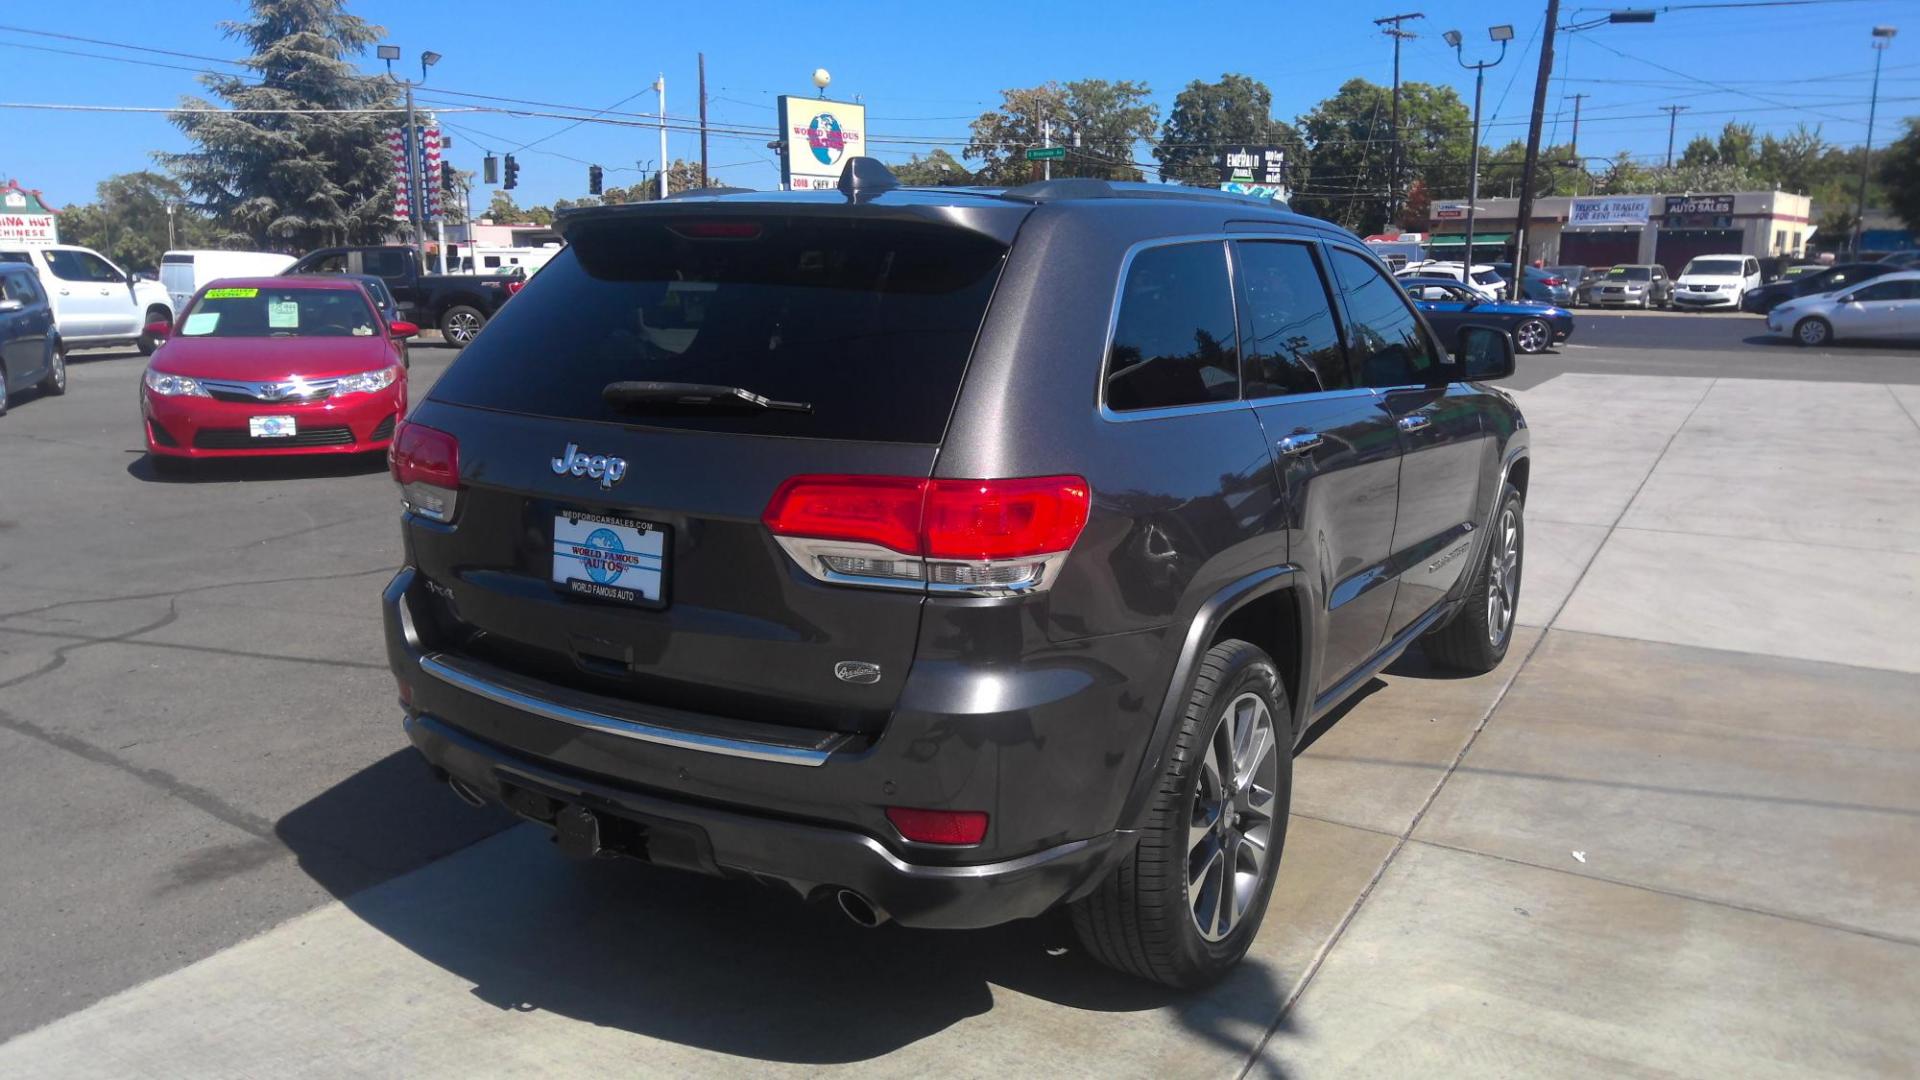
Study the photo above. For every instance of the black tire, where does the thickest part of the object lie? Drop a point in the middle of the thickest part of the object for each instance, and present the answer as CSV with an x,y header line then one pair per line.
x,y
1536,331
3,390
459,324
1471,641
1812,332
55,382
1142,920
147,341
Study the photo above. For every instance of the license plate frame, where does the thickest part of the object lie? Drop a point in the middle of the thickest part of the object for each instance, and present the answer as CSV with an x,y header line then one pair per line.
x,y
609,558
272,427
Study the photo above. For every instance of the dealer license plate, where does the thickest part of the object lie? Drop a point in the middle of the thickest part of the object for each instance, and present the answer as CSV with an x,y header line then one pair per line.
x,y
610,558
270,427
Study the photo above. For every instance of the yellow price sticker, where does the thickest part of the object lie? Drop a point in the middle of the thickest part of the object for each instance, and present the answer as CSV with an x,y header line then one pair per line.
x,y
232,294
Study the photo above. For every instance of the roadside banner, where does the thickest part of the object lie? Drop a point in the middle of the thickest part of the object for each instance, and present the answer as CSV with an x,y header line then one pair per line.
x,y
1610,210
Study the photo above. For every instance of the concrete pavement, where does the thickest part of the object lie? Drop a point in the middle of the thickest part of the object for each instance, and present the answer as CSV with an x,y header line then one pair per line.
x,y
1710,701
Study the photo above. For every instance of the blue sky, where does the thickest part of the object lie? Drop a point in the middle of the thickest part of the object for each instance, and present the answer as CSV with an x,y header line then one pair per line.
x,y
924,70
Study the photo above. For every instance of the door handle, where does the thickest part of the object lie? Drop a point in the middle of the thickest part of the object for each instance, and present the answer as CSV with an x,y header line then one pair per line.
x,y
1300,443
64,292
1413,422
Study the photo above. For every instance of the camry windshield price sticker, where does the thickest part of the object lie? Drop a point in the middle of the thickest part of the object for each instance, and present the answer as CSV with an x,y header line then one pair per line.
x,y
609,558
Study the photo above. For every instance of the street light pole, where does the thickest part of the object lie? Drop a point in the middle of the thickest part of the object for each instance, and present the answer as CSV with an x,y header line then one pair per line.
x,y
416,175
660,84
1882,37
1501,34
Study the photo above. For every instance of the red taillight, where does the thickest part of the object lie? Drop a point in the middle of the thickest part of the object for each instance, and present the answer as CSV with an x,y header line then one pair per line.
x,y
956,827
1003,519
883,510
514,286
974,520
718,230
1555,281
426,463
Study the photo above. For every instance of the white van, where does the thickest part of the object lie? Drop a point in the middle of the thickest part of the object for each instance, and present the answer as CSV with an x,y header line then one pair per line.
x,y
183,272
1716,281
485,259
95,302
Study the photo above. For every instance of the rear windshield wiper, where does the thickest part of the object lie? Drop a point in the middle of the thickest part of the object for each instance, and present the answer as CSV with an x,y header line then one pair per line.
x,y
685,395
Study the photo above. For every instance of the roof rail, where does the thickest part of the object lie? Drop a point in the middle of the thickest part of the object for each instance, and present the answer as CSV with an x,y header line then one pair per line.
x,y
1044,191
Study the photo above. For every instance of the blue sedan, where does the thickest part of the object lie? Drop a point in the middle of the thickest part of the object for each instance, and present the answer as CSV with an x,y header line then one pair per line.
x,y
1449,305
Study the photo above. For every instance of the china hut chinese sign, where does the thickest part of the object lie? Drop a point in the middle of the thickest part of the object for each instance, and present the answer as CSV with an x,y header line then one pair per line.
x,y
25,218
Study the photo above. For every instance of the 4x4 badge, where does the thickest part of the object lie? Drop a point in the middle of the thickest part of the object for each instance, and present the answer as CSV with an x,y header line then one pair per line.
x,y
857,671
608,470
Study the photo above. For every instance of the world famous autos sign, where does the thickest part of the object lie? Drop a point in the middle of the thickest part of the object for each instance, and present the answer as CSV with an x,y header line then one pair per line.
x,y
817,137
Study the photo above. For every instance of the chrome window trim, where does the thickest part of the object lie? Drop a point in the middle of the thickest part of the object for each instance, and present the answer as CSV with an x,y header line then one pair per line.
x,y
613,725
1239,400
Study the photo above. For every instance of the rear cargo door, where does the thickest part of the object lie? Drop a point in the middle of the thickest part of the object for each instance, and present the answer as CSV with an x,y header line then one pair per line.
x,y
617,546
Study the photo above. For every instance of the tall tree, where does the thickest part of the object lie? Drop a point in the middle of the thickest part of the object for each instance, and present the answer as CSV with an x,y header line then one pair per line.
x,y
1502,170
937,169
1900,175
128,222
1209,116
293,179
1700,151
1793,161
681,175
1349,150
1099,122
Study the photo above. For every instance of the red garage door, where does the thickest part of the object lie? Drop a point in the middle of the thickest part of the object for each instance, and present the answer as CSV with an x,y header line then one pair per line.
x,y
1676,247
1599,248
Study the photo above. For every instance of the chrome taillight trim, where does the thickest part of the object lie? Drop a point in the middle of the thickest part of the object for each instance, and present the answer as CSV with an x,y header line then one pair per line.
x,y
810,556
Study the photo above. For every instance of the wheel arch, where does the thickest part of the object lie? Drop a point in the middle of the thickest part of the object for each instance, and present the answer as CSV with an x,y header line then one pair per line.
x,y
1263,608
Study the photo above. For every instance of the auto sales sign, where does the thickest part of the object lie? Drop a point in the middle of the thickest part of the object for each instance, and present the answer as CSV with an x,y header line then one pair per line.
x,y
25,219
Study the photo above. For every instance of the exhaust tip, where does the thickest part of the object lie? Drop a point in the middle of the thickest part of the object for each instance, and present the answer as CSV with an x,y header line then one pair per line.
x,y
465,791
861,910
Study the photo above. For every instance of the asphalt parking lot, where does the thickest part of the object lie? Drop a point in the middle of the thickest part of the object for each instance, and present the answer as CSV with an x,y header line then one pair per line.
x,y
1673,835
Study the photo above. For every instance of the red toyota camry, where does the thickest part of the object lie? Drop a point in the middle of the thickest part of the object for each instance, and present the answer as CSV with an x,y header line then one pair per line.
x,y
276,366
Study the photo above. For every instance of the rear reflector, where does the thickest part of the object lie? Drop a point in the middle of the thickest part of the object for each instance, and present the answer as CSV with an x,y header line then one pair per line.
x,y
426,463
957,827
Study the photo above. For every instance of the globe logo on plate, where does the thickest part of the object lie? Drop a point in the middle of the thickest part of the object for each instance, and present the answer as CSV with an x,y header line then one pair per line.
x,y
826,139
605,570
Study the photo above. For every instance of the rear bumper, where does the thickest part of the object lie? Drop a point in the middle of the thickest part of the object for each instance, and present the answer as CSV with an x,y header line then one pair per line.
x,y
815,861
1036,748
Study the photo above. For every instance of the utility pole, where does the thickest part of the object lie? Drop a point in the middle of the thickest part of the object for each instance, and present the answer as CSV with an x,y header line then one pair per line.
x,y
704,178
1882,37
1573,144
1390,26
1046,140
660,84
1673,114
1533,147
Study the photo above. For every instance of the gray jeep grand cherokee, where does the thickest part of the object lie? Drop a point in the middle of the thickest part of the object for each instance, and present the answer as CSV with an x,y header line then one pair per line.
x,y
947,554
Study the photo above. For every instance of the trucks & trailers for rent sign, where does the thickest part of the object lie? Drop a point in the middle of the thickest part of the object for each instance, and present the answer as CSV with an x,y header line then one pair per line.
x,y
1610,210
817,137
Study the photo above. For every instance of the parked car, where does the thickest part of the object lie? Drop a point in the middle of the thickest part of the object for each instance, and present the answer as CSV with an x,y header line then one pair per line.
x,y
1584,286
1484,279
1716,281
183,273
1538,284
1885,308
1823,279
1452,307
1907,260
273,366
95,303
1800,270
712,586
1642,286
458,305
30,352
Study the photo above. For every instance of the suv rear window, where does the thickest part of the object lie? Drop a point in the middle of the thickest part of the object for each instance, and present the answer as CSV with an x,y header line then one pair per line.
x,y
869,322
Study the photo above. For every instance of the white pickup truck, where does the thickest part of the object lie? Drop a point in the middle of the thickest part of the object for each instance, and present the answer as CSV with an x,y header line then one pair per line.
x,y
95,302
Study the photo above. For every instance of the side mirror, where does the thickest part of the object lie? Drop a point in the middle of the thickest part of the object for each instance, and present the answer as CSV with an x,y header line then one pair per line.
x,y
402,330
137,278
1485,353
11,305
159,330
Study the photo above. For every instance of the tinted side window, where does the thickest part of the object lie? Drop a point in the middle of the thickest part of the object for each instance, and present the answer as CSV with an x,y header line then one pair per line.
x,y
1295,344
333,263
1386,333
1174,340
384,263
21,287
94,268
1886,290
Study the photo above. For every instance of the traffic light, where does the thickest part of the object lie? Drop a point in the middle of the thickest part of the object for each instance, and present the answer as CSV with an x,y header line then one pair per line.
x,y
446,176
593,179
513,174
490,169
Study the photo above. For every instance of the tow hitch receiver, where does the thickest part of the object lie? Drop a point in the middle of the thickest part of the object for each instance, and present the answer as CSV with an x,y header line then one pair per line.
x,y
577,831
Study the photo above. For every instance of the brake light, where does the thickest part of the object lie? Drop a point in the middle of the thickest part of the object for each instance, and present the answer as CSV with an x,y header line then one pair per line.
x,y
1555,281
983,537
718,230
957,827
425,462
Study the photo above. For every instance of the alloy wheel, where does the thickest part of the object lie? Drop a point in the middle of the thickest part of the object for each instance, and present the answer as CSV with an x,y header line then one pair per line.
x,y
462,326
59,372
1531,336
1230,832
1503,572
1812,332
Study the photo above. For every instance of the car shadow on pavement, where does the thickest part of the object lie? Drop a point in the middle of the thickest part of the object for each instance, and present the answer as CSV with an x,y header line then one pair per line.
x,y
723,965
251,470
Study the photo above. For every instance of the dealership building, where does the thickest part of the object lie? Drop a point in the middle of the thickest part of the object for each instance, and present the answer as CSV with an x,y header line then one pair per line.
x,y
1607,230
